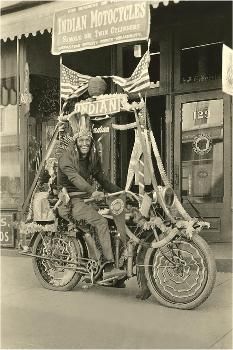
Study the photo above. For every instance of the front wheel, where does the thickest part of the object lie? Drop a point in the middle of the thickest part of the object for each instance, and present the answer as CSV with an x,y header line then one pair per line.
x,y
182,274
62,254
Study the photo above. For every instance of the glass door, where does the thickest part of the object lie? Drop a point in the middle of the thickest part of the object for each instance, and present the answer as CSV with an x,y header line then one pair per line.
x,y
202,151
199,162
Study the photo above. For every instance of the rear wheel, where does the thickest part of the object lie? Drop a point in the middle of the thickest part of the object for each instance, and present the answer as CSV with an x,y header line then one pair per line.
x,y
62,253
181,274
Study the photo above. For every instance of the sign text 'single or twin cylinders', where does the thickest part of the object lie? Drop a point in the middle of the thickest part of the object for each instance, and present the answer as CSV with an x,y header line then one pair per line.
x,y
96,18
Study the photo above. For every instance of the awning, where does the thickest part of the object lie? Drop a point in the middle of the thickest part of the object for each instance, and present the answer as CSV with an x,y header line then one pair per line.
x,y
40,18
32,20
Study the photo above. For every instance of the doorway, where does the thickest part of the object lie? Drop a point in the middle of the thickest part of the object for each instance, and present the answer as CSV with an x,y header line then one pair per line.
x,y
156,106
201,177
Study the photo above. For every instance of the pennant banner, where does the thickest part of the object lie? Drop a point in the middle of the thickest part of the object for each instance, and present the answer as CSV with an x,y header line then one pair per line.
x,y
227,70
100,24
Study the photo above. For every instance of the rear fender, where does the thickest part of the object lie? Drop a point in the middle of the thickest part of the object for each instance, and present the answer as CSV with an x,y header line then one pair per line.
x,y
78,235
32,240
82,241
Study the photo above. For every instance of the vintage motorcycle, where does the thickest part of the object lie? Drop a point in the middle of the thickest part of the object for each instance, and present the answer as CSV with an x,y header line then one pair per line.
x,y
178,270
164,250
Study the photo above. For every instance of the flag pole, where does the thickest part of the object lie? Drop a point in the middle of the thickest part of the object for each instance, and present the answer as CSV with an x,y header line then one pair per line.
x,y
60,79
148,44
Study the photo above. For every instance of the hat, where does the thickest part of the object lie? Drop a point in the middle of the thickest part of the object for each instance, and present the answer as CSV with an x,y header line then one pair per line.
x,y
81,125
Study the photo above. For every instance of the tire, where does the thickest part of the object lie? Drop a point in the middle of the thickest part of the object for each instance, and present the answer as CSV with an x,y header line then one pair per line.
x,y
186,285
145,293
49,274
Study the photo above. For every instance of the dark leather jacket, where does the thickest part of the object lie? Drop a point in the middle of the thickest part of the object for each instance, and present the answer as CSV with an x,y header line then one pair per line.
x,y
75,173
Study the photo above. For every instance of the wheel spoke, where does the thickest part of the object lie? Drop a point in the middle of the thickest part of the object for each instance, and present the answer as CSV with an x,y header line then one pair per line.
x,y
164,266
185,278
58,271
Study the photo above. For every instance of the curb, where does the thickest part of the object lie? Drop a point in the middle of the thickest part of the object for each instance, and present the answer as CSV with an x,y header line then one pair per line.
x,y
11,252
223,265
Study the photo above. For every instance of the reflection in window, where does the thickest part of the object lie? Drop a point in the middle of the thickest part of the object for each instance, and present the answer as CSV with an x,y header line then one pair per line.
x,y
202,151
201,63
10,165
8,73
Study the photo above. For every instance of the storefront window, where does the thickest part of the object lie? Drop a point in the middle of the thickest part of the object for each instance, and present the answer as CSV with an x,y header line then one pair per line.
x,y
201,63
10,165
202,151
45,104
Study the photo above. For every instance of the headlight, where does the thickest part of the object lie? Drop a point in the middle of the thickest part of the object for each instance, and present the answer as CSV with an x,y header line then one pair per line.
x,y
168,196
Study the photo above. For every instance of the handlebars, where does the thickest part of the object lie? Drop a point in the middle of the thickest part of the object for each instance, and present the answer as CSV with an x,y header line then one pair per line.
x,y
107,195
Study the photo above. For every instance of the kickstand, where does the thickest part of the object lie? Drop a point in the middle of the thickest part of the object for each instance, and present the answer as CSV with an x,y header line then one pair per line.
x,y
88,285
92,277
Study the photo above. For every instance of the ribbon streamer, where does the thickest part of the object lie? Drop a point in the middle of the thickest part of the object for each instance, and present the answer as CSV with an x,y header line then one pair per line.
x,y
164,178
124,127
133,164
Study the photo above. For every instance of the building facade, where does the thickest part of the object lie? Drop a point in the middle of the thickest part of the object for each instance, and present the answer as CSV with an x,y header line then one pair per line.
x,y
190,116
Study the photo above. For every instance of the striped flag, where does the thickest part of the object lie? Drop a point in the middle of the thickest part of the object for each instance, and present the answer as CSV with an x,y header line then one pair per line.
x,y
38,157
139,80
72,83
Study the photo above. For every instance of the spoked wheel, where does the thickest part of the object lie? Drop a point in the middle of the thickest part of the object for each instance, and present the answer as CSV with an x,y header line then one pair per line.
x,y
62,254
181,274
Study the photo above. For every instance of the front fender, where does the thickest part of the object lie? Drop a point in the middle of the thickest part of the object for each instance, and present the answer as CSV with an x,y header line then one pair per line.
x,y
148,236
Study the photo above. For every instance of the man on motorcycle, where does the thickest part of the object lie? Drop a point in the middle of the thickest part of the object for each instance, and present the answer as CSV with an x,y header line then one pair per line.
x,y
76,166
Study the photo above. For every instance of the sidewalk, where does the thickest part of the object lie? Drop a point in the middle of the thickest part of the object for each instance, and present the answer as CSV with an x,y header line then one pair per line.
x,y
221,251
223,256
38,318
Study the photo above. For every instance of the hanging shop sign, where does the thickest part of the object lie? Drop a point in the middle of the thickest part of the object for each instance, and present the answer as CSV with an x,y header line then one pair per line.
x,y
7,230
100,24
108,104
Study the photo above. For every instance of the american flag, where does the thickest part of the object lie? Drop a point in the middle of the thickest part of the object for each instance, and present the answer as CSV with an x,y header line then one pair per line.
x,y
139,80
73,84
38,157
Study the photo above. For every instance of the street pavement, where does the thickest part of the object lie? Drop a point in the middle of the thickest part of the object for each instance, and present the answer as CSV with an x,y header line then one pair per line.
x,y
105,318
